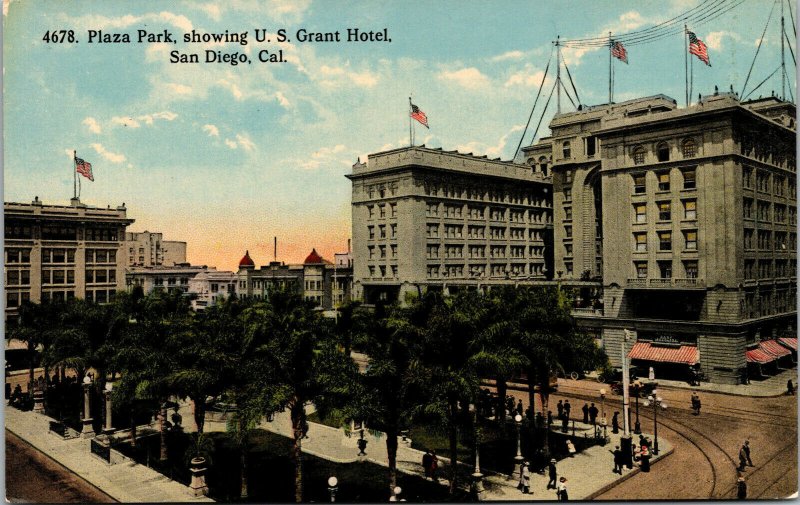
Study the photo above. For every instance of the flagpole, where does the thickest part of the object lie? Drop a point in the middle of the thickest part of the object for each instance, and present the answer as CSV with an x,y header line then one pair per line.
x,y
610,63
410,123
558,75
686,60
74,174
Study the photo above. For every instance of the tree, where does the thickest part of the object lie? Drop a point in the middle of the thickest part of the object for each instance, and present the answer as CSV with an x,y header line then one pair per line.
x,y
38,326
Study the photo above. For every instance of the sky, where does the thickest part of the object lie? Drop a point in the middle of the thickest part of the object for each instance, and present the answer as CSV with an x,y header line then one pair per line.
x,y
227,157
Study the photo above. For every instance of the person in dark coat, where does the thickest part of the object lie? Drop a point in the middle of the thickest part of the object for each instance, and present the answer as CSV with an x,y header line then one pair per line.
x,y
427,461
529,413
746,449
549,418
741,489
561,490
510,404
567,409
615,423
434,466
585,410
593,414
742,459
539,420
560,408
551,469
617,460
520,408
790,387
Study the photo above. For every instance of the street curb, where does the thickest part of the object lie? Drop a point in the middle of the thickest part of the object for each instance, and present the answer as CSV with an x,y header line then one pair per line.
x,y
625,477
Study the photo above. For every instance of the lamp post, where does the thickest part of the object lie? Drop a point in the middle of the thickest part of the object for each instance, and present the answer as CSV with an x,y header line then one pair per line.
x,y
637,428
518,458
87,431
657,402
333,487
396,494
107,394
603,402
477,476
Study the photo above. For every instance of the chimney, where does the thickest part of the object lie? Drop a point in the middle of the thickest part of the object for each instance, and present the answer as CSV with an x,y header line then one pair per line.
x,y
275,249
348,246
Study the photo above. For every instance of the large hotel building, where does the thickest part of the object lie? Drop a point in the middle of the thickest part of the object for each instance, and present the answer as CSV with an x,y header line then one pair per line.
x,y
676,224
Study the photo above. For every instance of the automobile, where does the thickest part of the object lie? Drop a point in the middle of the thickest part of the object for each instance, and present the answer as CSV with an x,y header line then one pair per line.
x,y
645,388
615,375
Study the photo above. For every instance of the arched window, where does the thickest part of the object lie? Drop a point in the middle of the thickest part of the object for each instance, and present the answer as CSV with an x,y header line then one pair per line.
x,y
567,150
689,148
543,165
638,155
662,151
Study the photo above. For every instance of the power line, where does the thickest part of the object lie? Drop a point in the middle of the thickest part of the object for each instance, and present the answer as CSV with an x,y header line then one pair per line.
x,y
546,69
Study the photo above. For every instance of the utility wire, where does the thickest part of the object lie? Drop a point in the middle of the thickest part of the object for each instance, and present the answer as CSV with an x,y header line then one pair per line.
x,y
547,68
762,82
568,95
794,28
572,82
543,113
760,41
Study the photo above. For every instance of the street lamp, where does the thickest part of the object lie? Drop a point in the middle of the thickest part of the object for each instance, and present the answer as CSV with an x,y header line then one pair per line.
x,y
656,401
477,476
603,402
518,458
107,393
86,429
332,487
637,428
396,493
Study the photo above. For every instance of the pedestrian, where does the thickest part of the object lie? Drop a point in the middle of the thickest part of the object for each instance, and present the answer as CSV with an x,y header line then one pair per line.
x,y
362,445
567,409
564,423
790,387
570,448
539,420
746,449
645,459
585,410
525,476
696,404
427,459
617,460
549,418
615,423
561,490
635,452
593,414
741,488
520,408
529,413
560,408
510,405
551,469
434,466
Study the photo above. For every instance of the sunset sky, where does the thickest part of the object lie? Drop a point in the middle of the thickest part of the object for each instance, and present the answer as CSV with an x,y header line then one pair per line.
x,y
226,157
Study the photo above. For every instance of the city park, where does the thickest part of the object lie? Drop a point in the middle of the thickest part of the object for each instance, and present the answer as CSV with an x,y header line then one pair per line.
x,y
111,368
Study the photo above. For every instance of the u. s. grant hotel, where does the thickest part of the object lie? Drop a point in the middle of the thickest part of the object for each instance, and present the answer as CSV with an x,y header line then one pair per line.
x,y
676,224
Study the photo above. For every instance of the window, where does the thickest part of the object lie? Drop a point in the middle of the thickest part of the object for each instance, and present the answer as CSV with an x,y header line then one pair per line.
x,y
689,148
691,240
663,181
371,250
568,268
748,239
690,209
432,230
432,210
591,146
664,241
640,209
747,208
382,231
690,267
568,213
568,176
641,242
638,155
371,211
383,251
433,251
689,179
662,151
393,209
639,184
382,211
641,269
567,194
566,150
665,269
394,231
371,232
747,177
664,211
568,231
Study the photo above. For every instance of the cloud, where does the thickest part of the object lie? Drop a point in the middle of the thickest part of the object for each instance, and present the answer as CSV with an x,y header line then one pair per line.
x,y
334,77
211,10
148,119
509,55
212,130
527,78
282,100
290,11
495,151
469,78
98,22
714,39
245,142
125,121
92,124
236,92
166,116
230,143
112,157
328,151
179,89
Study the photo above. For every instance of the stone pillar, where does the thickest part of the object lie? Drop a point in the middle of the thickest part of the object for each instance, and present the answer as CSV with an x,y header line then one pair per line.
x,y
87,431
107,393
38,401
198,483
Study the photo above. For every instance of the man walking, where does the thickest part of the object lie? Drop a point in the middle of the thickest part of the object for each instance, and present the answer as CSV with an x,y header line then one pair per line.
x,y
525,477
593,414
567,409
520,408
617,460
746,449
790,387
585,410
427,460
741,488
560,408
615,423
742,458
696,404
551,469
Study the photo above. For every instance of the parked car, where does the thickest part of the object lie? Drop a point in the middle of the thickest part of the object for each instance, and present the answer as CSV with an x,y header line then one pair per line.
x,y
645,388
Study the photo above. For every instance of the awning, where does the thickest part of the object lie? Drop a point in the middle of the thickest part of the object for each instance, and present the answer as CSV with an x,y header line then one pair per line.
x,y
646,351
774,348
13,344
758,355
791,343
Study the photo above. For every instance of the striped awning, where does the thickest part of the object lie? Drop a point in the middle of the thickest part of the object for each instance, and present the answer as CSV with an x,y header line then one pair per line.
x,y
791,343
646,351
758,355
774,348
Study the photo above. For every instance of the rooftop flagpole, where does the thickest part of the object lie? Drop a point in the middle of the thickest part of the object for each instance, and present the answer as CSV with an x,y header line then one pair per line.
x,y
74,174
686,60
410,123
610,64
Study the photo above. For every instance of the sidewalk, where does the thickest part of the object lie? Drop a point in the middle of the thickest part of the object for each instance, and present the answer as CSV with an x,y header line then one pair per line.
x,y
771,386
588,473
125,482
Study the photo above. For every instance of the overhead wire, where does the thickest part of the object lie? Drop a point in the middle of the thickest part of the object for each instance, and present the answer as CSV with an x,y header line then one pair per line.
x,y
546,69
760,83
760,41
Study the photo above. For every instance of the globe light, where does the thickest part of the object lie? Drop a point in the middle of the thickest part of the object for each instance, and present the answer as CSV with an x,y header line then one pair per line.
x,y
332,481
87,379
603,392
109,386
646,403
518,418
397,490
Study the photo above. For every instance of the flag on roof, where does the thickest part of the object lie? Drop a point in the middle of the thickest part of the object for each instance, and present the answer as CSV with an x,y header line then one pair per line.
x,y
698,48
84,168
416,113
618,51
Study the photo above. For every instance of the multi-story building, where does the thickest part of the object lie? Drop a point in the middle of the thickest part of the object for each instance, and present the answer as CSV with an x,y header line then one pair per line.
x,y
431,219
686,218
61,252
326,284
147,249
163,278
210,286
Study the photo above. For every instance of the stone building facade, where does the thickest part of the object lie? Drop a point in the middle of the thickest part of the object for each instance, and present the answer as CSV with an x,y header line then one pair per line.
x,y
686,221
431,219
147,249
61,252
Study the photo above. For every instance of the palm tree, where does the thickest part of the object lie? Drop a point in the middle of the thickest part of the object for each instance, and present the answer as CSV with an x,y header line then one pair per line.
x,y
37,326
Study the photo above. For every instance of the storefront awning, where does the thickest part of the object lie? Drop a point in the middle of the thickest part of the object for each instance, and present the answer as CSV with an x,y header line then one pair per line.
x,y
774,348
758,355
686,354
791,343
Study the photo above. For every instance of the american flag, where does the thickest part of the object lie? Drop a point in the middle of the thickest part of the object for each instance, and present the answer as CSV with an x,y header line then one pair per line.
x,y
84,168
618,51
416,113
698,48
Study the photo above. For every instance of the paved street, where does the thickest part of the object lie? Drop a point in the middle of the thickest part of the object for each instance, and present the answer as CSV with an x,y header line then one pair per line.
x,y
706,446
